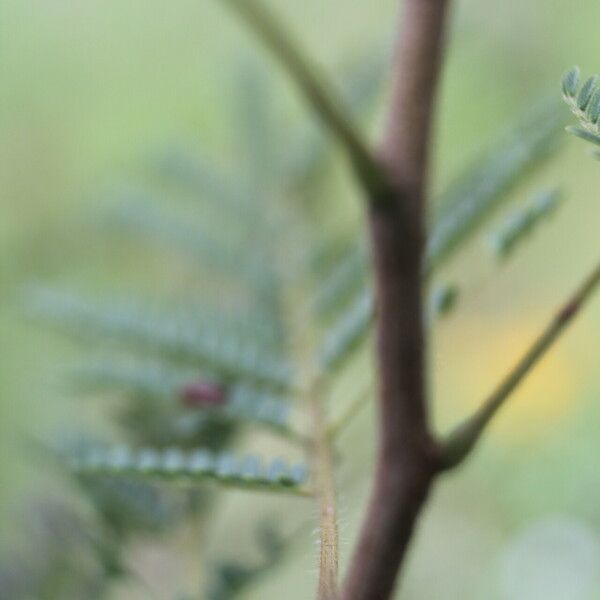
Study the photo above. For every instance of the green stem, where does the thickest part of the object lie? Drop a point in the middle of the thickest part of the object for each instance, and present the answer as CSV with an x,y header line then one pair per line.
x,y
320,97
463,439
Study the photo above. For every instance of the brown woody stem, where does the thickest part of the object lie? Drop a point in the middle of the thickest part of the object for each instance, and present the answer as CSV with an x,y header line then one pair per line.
x,y
407,456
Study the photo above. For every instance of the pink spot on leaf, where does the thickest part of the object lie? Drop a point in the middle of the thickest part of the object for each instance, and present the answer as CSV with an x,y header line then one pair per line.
x,y
203,394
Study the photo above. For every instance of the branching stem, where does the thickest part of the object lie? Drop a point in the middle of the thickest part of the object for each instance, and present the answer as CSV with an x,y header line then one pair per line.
x,y
407,459
395,182
318,94
309,383
461,442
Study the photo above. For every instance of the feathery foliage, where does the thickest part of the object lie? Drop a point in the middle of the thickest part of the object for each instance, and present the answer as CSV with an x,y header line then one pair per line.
x,y
584,102
476,193
224,256
347,331
343,279
180,337
200,465
479,191
465,207
520,223
184,389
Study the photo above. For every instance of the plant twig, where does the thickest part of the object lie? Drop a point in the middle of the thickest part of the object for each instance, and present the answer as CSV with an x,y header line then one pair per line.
x,y
407,458
318,94
310,393
325,489
461,442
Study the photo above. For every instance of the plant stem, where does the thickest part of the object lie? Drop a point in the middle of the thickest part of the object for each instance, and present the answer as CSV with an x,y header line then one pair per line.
x,y
322,469
310,394
462,440
318,94
325,488
407,459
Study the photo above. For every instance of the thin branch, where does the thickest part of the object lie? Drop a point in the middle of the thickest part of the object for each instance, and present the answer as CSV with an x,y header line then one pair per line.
x,y
407,458
461,442
309,385
317,93
325,489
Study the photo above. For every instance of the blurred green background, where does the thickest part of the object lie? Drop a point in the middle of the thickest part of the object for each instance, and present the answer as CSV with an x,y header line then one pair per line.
x,y
88,88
